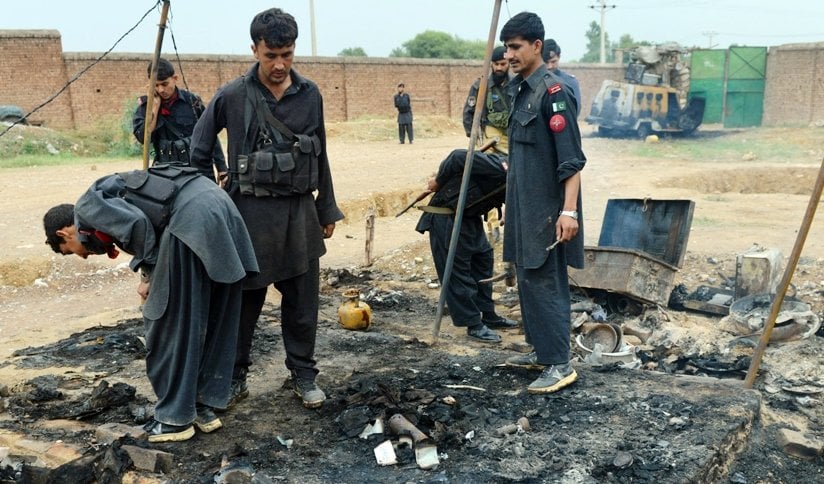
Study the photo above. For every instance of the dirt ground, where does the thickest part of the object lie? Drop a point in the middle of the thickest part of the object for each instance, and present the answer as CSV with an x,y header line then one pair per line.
x,y
741,199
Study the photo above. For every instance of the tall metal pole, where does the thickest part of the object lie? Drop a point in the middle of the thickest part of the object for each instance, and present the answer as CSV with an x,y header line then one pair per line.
x,y
815,198
602,6
312,27
149,122
603,57
470,153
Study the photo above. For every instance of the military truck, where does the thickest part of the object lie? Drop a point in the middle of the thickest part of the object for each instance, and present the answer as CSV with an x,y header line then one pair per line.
x,y
651,99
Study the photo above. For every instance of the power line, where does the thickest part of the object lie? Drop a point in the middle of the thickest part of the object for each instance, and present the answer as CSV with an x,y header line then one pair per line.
x,y
81,72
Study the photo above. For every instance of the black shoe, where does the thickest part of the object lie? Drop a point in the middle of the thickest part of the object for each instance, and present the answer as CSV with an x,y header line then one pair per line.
x,y
161,432
482,333
206,421
311,394
239,392
500,322
528,361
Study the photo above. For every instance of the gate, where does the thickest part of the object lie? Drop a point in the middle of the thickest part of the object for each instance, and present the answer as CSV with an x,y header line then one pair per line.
x,y
732,81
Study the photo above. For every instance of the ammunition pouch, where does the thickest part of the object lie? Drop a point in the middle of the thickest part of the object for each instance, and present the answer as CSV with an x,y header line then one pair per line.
x,y
153,191
499,120
173,151
280,169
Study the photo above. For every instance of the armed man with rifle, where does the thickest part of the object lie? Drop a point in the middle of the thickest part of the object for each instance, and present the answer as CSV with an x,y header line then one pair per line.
x,y
469,300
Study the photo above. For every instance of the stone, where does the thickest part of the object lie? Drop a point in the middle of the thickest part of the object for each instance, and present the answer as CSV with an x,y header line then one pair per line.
x,y
108,433
149,459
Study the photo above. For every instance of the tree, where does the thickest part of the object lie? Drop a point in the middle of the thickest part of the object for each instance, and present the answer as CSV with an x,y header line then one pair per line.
x,y
593,54
593,35
432,44
352,52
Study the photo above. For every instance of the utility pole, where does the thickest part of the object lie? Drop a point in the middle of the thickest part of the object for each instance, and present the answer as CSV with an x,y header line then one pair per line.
x,y
710,34
312,27
602,6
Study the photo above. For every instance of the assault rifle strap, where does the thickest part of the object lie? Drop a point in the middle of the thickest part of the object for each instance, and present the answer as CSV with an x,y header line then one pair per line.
x,y
265,116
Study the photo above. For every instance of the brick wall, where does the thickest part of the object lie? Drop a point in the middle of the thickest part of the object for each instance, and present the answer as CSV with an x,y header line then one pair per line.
x,y
32,70
794,92
35,68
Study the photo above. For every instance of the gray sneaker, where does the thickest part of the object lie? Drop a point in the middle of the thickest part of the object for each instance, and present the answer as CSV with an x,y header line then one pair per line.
x,y
528,361
311,394
553,378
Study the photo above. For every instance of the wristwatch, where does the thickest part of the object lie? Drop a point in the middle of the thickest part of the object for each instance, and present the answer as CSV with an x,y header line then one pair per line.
x,y
570,213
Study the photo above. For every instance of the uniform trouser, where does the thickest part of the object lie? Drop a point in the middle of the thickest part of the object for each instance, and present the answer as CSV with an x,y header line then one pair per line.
x,y
298,319
545,306
468,301
405,128
192,346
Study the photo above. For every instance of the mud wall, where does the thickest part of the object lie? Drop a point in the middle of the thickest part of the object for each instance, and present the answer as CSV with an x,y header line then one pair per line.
x,y
35,67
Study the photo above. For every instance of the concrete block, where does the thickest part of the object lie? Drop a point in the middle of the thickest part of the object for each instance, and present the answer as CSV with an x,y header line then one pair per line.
x,y
149,459
108,433
60,453
132,477
757,271
797,445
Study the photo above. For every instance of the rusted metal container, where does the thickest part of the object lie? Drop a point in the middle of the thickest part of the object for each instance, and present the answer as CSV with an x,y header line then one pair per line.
x,y
642,245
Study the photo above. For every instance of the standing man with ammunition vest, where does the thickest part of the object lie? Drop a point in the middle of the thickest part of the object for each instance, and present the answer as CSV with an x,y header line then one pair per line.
x,y
279,177
175,113
495,116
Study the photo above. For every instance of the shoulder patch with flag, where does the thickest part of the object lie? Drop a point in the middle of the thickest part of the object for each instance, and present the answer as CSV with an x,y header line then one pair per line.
x,y
558,107
554,88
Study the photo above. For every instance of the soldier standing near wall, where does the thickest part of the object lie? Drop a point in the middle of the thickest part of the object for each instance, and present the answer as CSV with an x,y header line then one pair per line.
x,y
495,116
404,106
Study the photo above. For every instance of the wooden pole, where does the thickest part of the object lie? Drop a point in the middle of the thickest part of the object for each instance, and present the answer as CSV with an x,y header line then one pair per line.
x,y
815,198
370,237
470,153
149,122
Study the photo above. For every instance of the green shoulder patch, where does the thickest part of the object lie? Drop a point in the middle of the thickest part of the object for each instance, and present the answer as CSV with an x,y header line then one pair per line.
x,y
559,106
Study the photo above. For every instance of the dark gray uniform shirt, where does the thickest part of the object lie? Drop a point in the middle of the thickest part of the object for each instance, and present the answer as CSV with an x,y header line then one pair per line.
x,y
540,159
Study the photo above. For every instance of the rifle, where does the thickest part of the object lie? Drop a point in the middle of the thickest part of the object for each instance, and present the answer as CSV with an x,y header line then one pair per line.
x,y
486,146
420,197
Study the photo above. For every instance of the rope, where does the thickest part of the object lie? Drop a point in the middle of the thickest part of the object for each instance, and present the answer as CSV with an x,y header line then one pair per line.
x,y
81,72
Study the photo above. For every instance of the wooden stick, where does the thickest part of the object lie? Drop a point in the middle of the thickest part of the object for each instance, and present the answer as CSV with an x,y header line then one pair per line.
x,y
473,138
150,120
815,197
370,236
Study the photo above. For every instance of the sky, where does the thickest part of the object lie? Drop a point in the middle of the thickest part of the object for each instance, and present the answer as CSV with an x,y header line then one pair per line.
x,y
379,26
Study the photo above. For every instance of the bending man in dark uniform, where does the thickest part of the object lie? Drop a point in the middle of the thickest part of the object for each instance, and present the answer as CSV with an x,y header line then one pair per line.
x,y
470,302
277,159
192,271
175,113
543,202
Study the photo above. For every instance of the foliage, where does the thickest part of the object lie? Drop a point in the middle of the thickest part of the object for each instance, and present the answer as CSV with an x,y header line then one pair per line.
x,y
432,44
593,54
593,36
352,52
